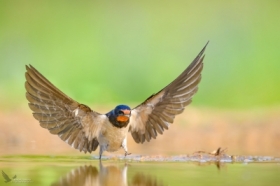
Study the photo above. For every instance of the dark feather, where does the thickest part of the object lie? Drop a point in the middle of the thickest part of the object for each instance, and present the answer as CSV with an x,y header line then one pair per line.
x,y
55,111
157,112
6,177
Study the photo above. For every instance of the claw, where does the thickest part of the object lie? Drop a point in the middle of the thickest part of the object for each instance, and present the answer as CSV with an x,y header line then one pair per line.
x,y
126,153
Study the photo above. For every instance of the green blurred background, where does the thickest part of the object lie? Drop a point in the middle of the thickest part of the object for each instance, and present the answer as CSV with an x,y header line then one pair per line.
x,y
114,52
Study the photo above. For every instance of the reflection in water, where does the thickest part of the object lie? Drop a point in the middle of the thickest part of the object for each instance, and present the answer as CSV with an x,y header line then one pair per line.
x,y
107,175
84,175
218,164
141,179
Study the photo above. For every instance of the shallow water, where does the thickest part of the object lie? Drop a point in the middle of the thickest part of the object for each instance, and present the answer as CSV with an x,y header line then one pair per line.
x,y
140,170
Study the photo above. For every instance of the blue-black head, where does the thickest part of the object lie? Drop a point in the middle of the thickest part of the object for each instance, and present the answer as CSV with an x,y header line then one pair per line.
x,y
120,116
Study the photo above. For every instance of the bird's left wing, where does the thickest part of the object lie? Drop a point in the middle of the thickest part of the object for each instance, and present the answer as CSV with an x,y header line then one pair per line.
x,y
73,122
5,176
156,113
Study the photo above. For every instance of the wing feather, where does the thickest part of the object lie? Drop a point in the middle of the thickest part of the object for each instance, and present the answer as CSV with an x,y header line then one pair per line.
x,y
6,177
157,112
73,122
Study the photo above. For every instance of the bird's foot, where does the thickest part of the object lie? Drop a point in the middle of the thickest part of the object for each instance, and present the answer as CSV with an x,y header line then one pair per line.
x,y
126,153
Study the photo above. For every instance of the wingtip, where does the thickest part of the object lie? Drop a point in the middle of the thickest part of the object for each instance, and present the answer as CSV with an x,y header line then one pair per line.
x,y
207,43
204,48
29,66
199,58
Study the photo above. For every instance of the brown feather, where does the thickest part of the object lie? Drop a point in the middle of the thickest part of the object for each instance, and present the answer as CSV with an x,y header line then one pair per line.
x,y
73,137
159,110
58,113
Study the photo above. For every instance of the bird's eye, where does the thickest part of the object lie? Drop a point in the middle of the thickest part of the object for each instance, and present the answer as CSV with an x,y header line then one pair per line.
x,y
120,112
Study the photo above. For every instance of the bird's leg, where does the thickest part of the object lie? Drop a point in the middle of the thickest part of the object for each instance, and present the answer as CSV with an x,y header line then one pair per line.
x,y
101,166
124,146
126,153
101,149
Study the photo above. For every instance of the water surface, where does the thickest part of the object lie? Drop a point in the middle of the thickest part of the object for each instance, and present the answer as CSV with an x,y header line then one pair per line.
x,y
138,170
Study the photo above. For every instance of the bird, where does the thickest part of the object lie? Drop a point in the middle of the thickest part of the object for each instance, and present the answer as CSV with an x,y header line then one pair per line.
x,y
85,129
7,178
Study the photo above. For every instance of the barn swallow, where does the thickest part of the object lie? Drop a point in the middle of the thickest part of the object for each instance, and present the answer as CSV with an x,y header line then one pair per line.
x,y
85,129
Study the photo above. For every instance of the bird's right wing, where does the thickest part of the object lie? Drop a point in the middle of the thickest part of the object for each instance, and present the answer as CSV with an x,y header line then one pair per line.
x,y
157,112
73,122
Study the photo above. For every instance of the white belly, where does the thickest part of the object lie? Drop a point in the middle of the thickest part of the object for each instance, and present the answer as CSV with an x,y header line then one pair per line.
x,y
111,138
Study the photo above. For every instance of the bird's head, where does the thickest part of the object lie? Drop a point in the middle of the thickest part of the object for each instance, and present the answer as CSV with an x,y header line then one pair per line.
x,y
119,117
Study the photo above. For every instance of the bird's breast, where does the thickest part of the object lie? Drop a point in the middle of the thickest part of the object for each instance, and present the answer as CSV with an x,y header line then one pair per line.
x,y
112,137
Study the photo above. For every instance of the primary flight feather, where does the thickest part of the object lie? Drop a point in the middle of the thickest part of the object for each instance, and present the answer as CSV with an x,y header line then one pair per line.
x,y
85,129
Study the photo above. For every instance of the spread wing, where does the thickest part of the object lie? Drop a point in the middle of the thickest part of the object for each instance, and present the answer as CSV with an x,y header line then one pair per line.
x,y
5,176
73,122
156,113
